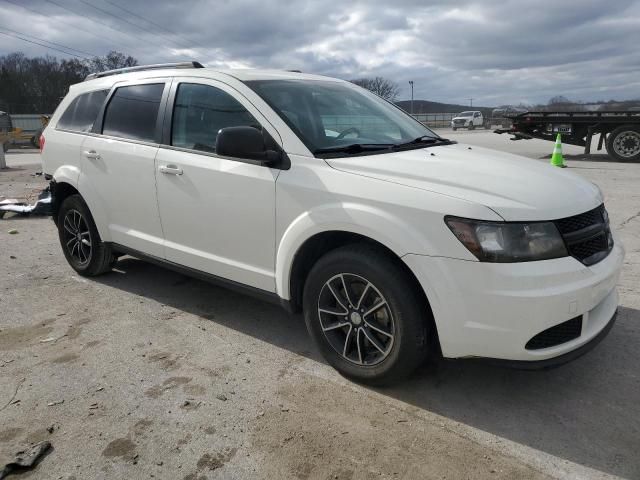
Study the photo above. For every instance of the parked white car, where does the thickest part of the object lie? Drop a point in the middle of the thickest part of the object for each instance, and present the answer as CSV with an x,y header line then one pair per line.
x,y
469,120
316,194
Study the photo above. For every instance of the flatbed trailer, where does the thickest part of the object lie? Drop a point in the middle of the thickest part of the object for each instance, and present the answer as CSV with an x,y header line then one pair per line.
x,y
619,131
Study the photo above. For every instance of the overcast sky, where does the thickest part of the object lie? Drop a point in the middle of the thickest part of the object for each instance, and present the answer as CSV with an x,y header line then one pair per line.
x,y
497,52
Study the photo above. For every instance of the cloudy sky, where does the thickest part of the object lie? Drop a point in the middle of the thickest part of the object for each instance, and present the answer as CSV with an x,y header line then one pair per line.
x,y
496,52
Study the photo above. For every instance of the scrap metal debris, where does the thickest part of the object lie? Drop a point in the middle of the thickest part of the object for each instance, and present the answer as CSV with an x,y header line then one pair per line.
x,y
41,207
26,459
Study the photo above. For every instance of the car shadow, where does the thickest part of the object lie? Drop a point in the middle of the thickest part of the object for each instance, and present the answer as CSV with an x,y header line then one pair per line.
x,y
587,411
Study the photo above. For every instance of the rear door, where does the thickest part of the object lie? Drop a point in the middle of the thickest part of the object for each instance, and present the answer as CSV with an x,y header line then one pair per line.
x,y
218,213
118,174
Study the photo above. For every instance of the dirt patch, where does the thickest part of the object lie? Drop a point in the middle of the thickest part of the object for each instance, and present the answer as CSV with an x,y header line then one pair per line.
x,y
91,344
333,427
167,361
142,426
9,434
120,447
157,390
19,337
194,389
213,461
66,358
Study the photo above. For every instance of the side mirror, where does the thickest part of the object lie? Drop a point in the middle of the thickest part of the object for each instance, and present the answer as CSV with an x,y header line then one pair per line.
x,y
247,143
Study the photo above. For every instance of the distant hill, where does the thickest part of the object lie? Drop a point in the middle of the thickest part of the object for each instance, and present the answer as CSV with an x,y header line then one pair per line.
x,y
425,106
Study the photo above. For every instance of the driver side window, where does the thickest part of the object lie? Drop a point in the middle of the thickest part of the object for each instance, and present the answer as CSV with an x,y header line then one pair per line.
x,y
200,111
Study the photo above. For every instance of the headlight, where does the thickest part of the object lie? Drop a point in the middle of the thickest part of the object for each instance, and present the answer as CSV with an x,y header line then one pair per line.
x,y
504,242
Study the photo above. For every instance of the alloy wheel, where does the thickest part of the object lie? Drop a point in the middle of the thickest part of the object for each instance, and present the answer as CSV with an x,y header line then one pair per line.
x,y
77,237
356,319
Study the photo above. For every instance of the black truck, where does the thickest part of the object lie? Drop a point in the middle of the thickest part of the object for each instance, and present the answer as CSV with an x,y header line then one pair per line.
x,y
619,131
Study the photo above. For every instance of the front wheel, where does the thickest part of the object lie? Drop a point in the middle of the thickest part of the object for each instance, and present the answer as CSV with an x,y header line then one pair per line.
x,y
5,146
366,315
471,126
623,144
454,128
84,250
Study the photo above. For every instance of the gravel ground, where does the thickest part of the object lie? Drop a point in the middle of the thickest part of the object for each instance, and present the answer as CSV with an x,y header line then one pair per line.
x,y
145,373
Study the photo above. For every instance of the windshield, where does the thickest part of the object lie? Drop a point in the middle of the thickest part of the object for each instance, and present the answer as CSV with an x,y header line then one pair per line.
x,y
466,114
329,115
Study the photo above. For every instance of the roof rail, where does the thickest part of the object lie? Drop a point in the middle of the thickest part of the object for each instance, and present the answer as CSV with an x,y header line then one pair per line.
x,y
141,68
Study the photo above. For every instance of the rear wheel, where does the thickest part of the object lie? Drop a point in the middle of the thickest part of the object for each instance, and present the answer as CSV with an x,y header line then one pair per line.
x,y
84,250
623,144
5,147
365,315
454,128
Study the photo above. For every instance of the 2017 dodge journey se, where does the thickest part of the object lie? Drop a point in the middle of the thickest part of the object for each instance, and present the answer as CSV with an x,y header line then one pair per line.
x,y
393,241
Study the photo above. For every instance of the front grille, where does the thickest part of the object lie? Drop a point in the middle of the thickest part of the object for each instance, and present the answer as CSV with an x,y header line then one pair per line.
x,y
556,335
587,236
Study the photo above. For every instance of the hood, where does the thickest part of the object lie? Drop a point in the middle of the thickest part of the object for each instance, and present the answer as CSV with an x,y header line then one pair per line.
x,y
516,188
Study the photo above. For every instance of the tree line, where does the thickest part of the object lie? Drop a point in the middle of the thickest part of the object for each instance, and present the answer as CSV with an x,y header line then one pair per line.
x,y
37,84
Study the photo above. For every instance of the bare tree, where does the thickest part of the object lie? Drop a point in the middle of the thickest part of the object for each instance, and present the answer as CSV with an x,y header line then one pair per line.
x,y
111,61
380,86
36,85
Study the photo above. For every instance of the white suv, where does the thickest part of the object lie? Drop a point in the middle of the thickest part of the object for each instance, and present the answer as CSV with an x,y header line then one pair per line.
x,y
319,195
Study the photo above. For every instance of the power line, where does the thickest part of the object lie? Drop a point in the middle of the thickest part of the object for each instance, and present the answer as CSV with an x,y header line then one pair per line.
x,y
96,21
69,24
106,12
154,23
49,41
41,44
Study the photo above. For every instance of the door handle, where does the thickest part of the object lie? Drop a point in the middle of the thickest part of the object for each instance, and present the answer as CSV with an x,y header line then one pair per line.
x,y
170,169
92,154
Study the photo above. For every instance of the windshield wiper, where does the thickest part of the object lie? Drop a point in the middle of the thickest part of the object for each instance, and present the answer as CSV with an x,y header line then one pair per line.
x,y
425,140
354,148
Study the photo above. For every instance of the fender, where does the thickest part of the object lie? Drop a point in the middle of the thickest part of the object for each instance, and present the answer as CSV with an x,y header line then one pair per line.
x,y
67,174
364,220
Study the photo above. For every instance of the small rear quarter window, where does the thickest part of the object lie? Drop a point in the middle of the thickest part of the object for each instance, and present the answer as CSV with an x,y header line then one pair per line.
x,y
81,114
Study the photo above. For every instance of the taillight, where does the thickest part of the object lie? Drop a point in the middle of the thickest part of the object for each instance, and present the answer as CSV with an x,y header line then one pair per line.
x,y
41,143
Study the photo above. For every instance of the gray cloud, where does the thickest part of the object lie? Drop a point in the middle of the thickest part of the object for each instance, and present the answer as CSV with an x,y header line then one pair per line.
x,y
494,51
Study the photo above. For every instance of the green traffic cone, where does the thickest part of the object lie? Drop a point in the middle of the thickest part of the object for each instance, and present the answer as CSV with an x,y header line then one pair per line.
x,y
556,159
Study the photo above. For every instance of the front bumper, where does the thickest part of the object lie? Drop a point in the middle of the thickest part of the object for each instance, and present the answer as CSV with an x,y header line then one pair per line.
x,y
492,310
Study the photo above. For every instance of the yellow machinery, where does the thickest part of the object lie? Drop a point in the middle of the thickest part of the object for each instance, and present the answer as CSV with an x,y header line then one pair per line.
x,y
10,135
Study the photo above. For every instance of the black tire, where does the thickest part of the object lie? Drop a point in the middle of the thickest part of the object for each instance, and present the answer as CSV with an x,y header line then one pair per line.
x,y
487,126
471,126
404,311
76,223
5,147
623,144
454,128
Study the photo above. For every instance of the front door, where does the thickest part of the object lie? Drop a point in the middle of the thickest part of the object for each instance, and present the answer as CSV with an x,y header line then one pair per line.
x,y
218,214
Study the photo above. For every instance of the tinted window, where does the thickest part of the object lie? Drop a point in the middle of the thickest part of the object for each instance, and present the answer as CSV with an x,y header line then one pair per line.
x,y
132,112
200,112
82,112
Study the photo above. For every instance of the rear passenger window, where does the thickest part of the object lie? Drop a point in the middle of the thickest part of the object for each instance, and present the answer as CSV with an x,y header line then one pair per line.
x,y
132,112
82,112
200,112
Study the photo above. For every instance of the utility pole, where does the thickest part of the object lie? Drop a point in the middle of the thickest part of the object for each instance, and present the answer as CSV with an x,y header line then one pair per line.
x,y
411,83
3,163
471,102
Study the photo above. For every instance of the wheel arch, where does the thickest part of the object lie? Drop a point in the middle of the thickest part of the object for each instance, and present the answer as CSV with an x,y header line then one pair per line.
x,y
60,190
319,244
